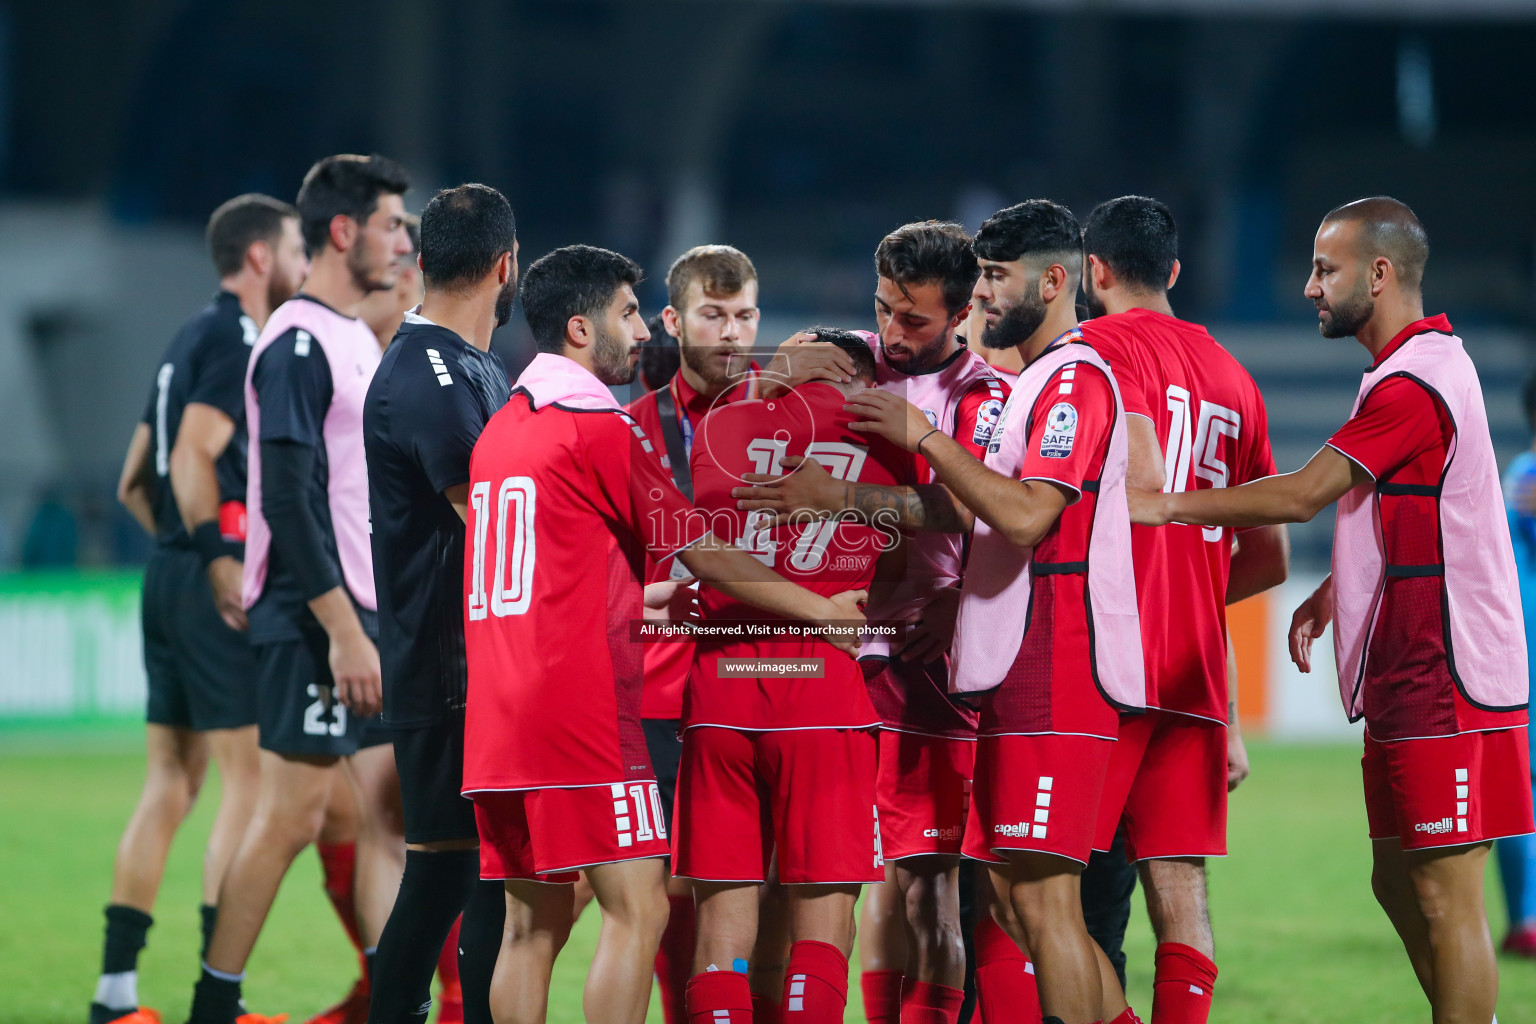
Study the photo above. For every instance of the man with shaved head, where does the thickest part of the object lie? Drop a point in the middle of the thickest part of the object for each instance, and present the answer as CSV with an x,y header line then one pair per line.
x,y
1423,598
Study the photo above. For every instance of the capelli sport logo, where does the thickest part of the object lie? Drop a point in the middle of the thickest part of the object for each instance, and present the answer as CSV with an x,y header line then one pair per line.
x,y
952,832
1436,827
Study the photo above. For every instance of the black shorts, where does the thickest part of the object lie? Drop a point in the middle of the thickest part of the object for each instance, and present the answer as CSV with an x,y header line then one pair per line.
x,y
375,732
430,760
666,749
202,674
295,703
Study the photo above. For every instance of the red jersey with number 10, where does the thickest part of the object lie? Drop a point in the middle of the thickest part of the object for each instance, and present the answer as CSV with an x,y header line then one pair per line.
x,y
826,556
1214,431
567,503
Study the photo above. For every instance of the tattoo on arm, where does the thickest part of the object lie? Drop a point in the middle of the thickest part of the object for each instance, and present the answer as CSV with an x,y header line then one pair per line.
x,y
924,507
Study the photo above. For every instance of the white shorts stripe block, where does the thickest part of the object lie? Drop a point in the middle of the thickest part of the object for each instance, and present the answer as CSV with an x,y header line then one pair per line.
x,y
637,814
1043,805
1462,799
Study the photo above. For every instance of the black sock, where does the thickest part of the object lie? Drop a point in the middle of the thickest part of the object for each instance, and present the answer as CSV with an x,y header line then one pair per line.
x,y
215,1000
127,931
433,892
479,945
210,916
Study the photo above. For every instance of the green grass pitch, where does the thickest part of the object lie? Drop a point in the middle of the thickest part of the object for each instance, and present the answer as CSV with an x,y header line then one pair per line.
x,y
1299,937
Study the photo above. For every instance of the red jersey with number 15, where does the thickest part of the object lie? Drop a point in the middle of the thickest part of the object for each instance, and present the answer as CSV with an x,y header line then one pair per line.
x,y
1214,432
826,556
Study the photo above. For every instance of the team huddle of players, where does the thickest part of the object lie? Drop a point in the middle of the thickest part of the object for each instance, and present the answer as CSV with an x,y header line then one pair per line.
x,y
780,629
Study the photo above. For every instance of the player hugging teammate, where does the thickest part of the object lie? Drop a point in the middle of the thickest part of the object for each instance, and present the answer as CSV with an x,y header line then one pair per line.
x,y
995,672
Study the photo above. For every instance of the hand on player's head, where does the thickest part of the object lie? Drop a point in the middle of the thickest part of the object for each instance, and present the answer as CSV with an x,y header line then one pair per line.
x,y
801,358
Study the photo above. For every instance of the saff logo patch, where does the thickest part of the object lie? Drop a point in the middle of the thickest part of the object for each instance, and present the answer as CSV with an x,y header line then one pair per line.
x,y
986,421
997,431
1060,431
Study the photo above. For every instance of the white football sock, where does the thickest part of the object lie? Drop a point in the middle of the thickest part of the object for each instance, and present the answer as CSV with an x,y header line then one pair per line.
x,y
118,991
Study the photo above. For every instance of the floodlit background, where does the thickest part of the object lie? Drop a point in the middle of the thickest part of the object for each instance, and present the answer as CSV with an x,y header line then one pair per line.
x,y
800,132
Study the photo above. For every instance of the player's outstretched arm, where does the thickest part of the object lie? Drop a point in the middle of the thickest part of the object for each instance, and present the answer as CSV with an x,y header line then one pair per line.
x,y
738,575
204,433
1288,498
1021,510
806,488
133,483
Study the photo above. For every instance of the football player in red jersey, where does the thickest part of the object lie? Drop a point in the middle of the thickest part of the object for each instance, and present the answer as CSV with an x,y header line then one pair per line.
x,y
912,954
568,500
1423,598
712,313
1196,420
772,760
1050,528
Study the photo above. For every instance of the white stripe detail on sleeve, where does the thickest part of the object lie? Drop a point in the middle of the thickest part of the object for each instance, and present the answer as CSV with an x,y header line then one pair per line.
x,y
439,367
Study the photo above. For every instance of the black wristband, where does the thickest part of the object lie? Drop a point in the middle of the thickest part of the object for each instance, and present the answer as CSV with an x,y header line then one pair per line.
x,y
919,449
209,542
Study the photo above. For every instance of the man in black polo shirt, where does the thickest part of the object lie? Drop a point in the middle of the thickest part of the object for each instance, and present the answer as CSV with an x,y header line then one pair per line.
x,y
433,393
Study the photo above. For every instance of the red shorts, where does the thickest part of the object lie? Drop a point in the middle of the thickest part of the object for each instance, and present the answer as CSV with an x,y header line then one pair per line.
x,y
1038,793
808,792
546,835
1168,783
923,792
1448,790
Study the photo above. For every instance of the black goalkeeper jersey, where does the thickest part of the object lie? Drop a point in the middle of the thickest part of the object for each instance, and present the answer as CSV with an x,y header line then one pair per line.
x,y
205,363
428,402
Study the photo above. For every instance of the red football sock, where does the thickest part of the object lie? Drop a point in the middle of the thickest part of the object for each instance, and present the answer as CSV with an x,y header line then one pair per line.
x,y
338,862
815,984
1181,986
719,997
450,994
882,996
765,1010
924,1002
1005,979
1127,1017
448,959
674,959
